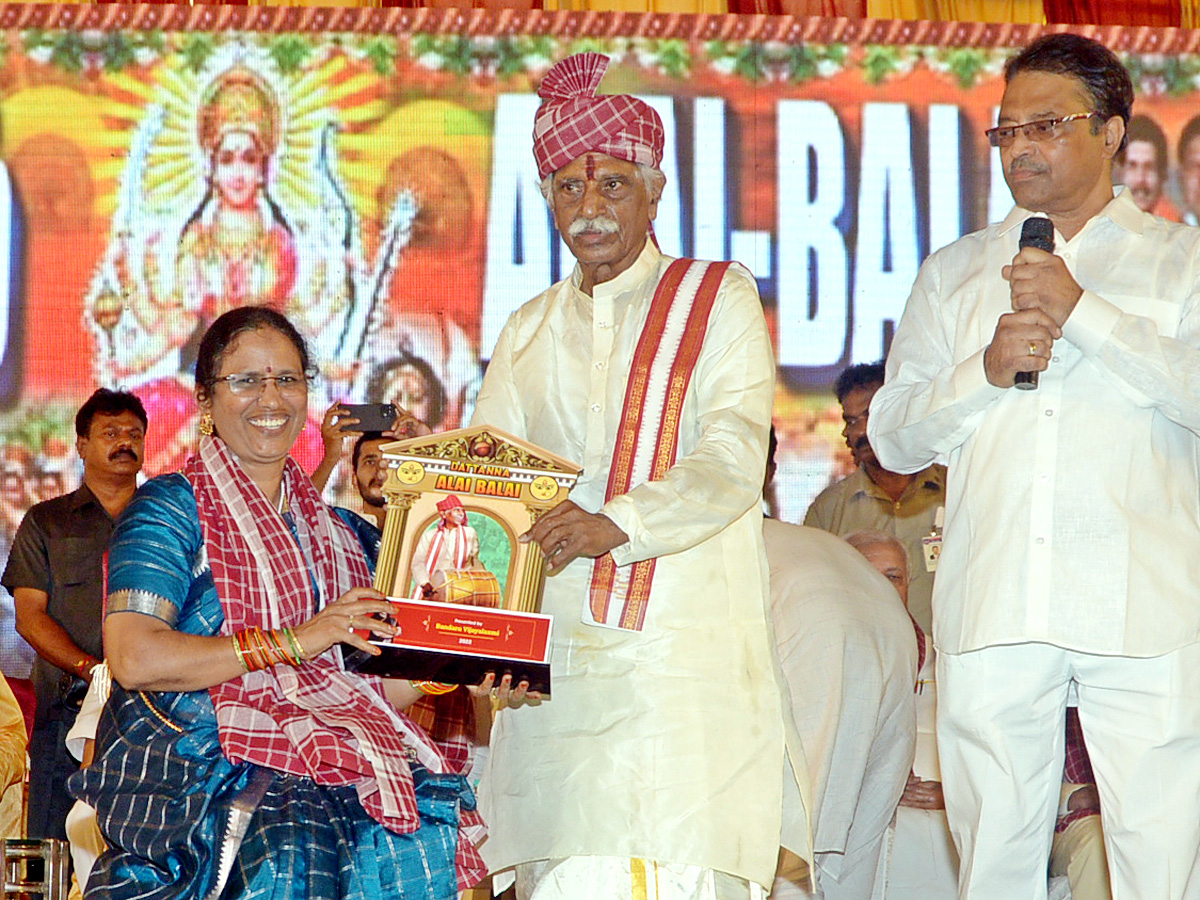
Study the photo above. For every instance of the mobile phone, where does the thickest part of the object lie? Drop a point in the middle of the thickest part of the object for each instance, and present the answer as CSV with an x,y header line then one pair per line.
x,y
371,416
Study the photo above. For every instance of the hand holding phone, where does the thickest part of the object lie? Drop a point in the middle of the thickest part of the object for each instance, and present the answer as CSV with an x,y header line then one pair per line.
x,y
367,416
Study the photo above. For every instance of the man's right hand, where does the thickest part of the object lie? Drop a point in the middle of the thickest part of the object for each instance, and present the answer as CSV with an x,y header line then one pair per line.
x,y
920,794
568,532
1023,342
333,430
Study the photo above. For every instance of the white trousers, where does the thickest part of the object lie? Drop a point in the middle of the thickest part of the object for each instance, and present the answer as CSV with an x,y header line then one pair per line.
x,y
1000,739
621,878
921,861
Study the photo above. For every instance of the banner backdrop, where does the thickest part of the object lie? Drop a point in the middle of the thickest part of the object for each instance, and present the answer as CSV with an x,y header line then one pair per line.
x,y
368,172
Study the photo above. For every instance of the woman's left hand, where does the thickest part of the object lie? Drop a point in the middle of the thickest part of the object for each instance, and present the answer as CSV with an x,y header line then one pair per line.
x,y
359,608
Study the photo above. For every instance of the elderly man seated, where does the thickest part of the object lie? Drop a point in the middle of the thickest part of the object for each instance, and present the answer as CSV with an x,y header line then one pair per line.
x,y
846,646
921,862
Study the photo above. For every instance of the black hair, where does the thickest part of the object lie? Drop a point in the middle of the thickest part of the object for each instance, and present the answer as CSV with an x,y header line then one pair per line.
x,y
1145,129
436,392
365,438
221,334
1093,65
863,375
107,403
1191,131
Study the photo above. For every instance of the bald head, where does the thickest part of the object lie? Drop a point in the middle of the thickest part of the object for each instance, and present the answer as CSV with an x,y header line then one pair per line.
x,y
886,554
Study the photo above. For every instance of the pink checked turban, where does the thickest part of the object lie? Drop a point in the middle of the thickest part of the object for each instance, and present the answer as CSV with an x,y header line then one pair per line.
x,y
573,120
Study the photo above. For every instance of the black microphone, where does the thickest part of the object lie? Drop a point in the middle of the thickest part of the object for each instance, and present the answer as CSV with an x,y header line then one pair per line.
x,y
1037,231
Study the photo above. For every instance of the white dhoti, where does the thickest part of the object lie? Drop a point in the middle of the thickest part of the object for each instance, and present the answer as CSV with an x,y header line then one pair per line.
x,y
618,878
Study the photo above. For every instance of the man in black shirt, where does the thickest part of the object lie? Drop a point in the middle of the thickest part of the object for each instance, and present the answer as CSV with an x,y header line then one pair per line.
x,y
55,573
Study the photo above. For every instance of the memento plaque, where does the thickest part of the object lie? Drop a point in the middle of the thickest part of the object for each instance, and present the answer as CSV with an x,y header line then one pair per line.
x,y
467,593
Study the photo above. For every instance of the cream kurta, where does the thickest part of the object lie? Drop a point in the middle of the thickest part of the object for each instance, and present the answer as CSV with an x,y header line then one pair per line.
x,y
666,743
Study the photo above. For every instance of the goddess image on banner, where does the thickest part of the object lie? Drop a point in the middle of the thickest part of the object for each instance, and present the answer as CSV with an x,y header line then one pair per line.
x,y
231,195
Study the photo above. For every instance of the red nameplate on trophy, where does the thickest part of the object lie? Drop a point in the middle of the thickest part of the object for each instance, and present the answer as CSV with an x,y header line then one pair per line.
x,y
460,644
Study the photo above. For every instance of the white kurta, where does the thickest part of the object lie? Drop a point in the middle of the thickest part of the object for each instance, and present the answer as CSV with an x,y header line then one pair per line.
x,y
1072,511
922,861
665,744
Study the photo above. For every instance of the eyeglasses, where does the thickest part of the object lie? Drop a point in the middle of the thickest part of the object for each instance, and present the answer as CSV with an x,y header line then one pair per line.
x,y
248,384
1038,130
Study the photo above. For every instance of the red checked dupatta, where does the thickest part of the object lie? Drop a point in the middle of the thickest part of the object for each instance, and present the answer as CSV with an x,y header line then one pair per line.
x,y
317,720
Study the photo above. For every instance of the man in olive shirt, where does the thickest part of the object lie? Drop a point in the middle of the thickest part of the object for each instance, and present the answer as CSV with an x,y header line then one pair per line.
x,y
872,498
55,573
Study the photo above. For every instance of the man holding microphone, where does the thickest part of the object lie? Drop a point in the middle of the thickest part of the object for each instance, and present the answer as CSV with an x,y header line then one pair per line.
x,y
1073,509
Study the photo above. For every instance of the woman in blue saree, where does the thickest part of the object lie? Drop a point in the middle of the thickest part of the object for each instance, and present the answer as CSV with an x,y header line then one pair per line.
x,y
238,758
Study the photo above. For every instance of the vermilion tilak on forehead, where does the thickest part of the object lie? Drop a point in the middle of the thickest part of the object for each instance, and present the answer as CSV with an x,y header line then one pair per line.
x,y
589,162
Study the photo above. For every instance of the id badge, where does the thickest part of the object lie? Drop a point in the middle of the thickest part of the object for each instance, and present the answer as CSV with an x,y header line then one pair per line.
x,y
931,549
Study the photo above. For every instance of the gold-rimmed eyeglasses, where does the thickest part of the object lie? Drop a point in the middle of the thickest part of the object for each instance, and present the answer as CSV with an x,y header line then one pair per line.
x,y
1037,130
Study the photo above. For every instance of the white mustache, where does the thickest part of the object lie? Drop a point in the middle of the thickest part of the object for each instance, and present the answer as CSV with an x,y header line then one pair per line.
x,y
600,224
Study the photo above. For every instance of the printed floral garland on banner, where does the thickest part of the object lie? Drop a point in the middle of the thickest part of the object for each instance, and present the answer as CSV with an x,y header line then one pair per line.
x,y
783,56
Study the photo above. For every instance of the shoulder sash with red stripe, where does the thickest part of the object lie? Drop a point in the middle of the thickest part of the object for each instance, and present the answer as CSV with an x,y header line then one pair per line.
x,y
648,437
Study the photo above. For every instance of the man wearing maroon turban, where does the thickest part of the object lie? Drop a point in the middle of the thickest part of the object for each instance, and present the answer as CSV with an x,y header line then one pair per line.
x,y
657,766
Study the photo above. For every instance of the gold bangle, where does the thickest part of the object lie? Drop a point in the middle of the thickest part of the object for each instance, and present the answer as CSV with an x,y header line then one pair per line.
x,y
233,638
433,688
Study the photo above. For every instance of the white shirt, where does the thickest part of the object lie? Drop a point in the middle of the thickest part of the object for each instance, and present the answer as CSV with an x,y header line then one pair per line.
x,y
1072,511
665,743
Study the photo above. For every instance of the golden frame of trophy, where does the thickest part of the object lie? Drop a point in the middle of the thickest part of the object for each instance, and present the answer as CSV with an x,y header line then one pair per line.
x,y
503,483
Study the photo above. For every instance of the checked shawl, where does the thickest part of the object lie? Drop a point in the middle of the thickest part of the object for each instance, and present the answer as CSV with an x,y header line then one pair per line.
x,y
574,120
317,720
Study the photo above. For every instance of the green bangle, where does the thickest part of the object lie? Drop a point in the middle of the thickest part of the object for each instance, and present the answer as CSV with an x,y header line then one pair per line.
x,y
297,650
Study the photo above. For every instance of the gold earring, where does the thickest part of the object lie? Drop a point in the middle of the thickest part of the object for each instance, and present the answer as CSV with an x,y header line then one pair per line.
x,y
206,425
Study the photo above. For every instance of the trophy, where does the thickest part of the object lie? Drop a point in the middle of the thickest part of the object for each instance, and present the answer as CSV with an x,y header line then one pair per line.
x,y
465,592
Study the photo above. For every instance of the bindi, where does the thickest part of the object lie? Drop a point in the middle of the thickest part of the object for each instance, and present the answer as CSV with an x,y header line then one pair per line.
x,y
589,162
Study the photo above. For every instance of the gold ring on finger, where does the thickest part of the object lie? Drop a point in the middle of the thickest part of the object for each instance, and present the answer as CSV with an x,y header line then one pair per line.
x,y
1033,348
